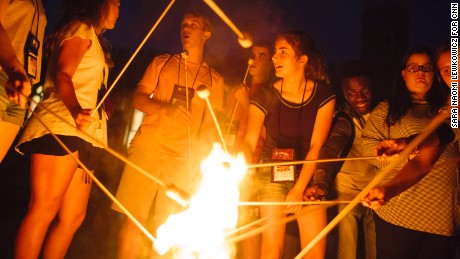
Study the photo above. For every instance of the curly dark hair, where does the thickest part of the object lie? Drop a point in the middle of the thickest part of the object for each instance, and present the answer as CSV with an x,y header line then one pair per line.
x,y
303,44
400,100
89,12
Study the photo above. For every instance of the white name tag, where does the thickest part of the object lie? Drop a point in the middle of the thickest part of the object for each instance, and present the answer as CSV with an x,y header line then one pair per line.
x,y
283,173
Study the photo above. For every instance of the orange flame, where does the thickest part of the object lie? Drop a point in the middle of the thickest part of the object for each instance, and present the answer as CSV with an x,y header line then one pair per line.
x,y
200,230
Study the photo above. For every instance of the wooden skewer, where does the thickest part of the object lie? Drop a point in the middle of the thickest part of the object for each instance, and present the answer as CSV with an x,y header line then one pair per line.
x,y
250,62
132,57
259,221
204,92
259,230
275,203
224,17
312,161
245,42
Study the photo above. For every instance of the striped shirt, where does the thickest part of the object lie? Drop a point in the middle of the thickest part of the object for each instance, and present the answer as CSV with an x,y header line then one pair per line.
x,y
431,205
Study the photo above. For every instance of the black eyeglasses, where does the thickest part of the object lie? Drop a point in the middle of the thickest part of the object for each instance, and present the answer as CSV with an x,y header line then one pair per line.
x,y
415,68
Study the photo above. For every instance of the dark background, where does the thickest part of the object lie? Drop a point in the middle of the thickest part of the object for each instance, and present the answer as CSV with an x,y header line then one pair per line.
x,y
376,31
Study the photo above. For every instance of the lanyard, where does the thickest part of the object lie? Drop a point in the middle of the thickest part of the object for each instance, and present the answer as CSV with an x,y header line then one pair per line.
x,y
36,13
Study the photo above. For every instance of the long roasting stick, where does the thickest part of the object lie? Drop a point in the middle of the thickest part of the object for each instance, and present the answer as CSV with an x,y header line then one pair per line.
x,y
259,230
284,203
257,222
204,92
312,161
132,57
244,41
250,62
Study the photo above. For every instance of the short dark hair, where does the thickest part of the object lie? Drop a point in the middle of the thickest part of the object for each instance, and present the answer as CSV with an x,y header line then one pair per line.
x,y
351,69
354,68
207,26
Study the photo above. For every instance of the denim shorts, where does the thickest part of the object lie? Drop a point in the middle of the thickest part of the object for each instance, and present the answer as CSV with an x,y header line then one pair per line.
x,y
9,111
269,191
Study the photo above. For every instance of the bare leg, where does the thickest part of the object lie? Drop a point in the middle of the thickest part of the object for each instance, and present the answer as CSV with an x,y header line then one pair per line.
x,y
130,240
8,132
273,237
70,216
310,224
250,247
50,178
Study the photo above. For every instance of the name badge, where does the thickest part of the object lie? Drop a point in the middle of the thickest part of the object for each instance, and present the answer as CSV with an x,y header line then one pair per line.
x,y
283,173
31,55
182,96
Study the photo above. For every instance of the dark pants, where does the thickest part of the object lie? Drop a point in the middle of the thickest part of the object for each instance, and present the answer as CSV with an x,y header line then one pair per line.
x,y
394,242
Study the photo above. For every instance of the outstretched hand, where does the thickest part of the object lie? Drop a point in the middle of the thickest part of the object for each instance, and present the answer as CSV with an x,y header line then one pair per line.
x,y
20,82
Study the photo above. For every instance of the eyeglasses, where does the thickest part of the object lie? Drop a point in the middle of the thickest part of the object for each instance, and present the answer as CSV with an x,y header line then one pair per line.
x,y
415,68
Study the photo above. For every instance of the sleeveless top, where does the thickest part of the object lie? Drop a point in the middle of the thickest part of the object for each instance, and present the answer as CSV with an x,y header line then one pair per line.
x,y
87,80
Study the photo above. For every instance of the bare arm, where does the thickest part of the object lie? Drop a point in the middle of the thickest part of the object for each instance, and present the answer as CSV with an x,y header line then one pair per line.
x,y
443,135
337,145
255,121
410,174
17,77
70,56
151,106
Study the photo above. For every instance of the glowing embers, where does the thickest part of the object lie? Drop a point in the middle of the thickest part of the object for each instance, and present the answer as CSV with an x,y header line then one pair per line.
x,y
199,232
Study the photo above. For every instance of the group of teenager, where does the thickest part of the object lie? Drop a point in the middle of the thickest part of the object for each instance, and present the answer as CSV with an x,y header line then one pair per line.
x,y
286,110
